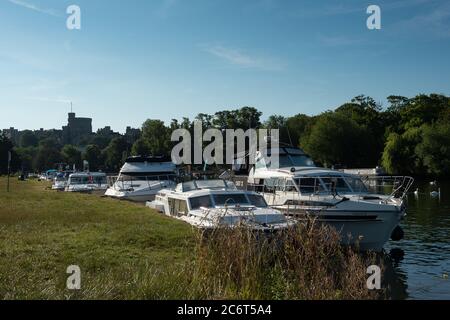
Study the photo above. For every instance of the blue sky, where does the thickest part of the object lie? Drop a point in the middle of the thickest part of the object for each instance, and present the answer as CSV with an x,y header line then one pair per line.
x,y
164,59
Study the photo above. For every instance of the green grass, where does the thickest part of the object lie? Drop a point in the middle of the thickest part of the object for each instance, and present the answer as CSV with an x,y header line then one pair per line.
x,y
118,245
128,251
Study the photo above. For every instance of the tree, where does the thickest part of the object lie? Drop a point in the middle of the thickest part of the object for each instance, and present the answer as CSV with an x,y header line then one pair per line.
x,y
434,149
399,153
298,126
93,155
140,148
156,136
28,139
26,157
424,109
280,123
337,140
71,155
116,153
7,146
243,118
48,154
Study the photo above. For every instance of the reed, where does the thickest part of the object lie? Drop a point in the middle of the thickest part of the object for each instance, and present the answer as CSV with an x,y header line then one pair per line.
x,y
304,262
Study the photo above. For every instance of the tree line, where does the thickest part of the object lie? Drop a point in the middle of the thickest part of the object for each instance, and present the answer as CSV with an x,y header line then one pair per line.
x,y
409,136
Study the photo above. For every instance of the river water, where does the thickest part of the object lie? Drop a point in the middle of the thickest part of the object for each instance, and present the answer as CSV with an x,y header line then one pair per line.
x,y
419,265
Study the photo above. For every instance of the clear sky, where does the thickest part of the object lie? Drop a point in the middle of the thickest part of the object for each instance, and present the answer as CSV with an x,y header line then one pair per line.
x,y
164,59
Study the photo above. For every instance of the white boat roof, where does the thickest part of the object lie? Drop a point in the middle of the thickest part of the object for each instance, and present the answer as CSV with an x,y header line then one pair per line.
x,y
139,164
87,174
204,187
294,172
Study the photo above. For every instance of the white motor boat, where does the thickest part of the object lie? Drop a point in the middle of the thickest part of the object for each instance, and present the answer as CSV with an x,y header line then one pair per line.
x,y
208,204
87,182
141,178
364,213
59,182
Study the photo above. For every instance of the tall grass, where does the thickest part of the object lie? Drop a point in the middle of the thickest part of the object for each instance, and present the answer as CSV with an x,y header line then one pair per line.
x,y
303,262
126,251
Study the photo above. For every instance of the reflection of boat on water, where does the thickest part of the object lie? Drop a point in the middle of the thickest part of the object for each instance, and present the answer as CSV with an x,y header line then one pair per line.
x,y
141,178
208,204
360,210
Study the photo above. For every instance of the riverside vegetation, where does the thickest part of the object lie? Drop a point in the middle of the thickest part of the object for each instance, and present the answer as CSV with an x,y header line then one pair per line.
x,y
127,251
408,136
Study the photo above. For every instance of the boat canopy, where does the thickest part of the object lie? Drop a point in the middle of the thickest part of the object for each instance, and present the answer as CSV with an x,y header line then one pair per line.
x,y
148,165
205,184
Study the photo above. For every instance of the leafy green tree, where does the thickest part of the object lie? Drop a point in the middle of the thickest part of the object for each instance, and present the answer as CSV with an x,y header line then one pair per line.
x,y
399,153
280,123
5,146
116,153
93,155
298,126
243,118
140,148
434,149
424,109
48,155
156,136
337,140
28,139
72,156
26,156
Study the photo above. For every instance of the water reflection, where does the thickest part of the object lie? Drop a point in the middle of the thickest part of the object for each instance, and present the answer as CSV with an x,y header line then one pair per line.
x,y
418,266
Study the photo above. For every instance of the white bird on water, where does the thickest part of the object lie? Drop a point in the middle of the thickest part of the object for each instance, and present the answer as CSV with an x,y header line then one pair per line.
x,y
435,193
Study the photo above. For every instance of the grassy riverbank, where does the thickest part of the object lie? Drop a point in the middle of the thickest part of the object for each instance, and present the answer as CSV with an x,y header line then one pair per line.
x,y
127,251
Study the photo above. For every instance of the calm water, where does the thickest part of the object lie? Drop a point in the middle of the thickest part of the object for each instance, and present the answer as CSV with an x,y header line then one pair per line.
x,y
419,265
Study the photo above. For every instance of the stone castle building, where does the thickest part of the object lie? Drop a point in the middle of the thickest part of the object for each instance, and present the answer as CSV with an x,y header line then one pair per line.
x,y
76,129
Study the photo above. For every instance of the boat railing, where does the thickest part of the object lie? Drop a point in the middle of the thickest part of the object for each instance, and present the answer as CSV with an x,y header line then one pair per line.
x,y
392,186
126,182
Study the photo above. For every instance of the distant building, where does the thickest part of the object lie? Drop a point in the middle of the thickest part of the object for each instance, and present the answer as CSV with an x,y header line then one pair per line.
x,y
76,129
12,134
131,134
106,131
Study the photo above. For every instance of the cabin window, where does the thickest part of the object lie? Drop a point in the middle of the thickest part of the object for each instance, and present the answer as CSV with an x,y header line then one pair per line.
x,y
290,186
100,180
337,184
79,180
269,185
198,202
356,184
257,200
230,199
308,185
177,207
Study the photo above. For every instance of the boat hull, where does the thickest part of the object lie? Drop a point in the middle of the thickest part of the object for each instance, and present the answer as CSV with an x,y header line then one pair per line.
x,y
366,231
141,196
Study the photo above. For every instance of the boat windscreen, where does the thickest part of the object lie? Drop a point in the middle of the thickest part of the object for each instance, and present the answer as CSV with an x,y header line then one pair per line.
x,y
230,199
257,200
298,160
200,202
